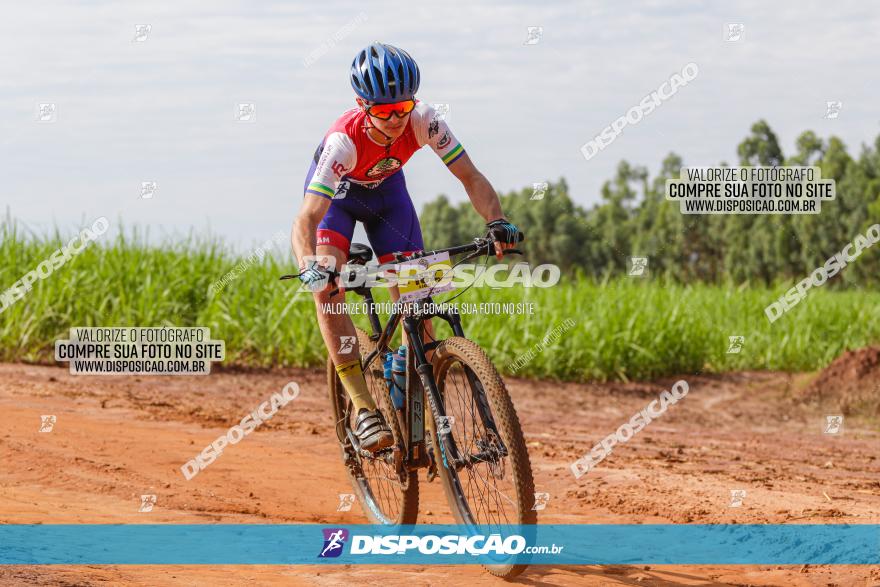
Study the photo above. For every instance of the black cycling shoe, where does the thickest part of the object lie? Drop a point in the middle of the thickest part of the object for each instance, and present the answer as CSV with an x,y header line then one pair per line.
x,y
372,431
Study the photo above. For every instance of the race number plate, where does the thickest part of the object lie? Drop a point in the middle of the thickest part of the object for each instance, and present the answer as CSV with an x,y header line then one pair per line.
x,y
424,277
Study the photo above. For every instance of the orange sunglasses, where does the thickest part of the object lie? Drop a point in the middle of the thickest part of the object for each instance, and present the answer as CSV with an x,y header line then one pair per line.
x,y
384,111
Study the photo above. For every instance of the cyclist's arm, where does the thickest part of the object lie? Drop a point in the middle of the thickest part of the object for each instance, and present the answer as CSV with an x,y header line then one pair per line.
x,y
482,195
306,224
338,157
478,188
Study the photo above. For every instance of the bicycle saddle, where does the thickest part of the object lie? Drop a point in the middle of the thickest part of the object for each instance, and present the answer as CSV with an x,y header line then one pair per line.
x,y
359,254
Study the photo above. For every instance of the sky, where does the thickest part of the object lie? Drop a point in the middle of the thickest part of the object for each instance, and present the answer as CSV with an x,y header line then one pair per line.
x,y
162,106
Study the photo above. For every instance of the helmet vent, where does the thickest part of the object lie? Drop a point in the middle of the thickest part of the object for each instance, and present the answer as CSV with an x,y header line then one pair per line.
x,y
391,82
383,73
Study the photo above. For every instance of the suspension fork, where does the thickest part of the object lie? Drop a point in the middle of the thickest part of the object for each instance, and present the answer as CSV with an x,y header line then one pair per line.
x,y
425,371
454,320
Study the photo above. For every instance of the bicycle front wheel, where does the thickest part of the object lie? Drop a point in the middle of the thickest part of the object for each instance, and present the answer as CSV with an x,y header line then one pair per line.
x,y
492,484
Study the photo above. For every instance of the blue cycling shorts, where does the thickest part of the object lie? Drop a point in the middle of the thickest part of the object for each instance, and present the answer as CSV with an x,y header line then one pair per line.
x,y
386,211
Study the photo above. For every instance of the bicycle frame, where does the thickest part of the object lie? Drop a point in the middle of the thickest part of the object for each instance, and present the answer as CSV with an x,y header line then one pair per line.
x,y
420,372
420,378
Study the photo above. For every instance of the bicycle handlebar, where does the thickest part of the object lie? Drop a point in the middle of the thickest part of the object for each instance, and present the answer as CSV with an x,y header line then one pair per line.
x,y
476,248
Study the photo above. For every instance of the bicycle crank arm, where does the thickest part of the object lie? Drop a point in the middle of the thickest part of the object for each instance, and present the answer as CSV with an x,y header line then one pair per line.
x,y
385,454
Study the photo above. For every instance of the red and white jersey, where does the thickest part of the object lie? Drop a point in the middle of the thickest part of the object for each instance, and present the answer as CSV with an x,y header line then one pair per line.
x,y
349,152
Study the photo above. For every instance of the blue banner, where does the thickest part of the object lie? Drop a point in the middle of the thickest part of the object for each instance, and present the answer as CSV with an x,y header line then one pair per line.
x,y
299,544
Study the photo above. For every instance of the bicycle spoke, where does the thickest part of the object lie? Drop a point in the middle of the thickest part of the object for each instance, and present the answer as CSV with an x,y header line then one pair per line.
x,y
488,495
378,479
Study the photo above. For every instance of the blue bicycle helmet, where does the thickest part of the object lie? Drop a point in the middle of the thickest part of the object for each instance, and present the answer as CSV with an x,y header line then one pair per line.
x,y
384,74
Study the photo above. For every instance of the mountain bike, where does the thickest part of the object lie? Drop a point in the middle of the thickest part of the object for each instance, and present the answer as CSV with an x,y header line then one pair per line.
x,y
458,420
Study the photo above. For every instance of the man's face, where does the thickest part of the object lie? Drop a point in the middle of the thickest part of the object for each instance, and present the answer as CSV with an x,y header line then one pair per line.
x,y
393,127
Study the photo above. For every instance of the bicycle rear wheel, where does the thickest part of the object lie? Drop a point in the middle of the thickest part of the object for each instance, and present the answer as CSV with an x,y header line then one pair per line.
x,y
387,493
495,487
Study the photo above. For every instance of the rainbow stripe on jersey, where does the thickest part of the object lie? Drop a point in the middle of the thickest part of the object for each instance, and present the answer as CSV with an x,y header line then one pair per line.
x,y
453,155
319,189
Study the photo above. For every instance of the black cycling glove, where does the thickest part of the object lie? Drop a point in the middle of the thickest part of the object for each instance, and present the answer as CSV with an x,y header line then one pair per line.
x,y
503,231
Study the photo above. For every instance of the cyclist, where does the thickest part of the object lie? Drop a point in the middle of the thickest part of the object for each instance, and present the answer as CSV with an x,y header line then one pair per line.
x,y
356,176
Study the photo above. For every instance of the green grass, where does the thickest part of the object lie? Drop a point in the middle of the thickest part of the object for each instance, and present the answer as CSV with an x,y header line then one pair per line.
x,y
628,328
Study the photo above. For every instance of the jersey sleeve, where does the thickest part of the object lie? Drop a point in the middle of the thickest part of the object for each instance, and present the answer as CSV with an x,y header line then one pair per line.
x,y
431,129
338,157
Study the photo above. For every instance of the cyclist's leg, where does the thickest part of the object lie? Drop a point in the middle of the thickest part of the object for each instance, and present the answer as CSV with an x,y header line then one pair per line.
x,y
337,329
333,239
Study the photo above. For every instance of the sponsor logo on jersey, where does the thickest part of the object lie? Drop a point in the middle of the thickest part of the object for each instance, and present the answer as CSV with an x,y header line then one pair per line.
x,y
433,128
325,154
342,190
444,141
384,167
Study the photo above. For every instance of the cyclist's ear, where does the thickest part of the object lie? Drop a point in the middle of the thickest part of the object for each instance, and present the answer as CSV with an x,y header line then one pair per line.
x,y
361,103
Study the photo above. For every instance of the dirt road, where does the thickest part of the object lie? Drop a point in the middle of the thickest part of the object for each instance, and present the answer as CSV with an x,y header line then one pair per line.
x,y
116,438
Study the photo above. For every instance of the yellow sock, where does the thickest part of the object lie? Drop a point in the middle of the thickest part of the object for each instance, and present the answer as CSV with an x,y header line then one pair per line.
x,y
352,376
